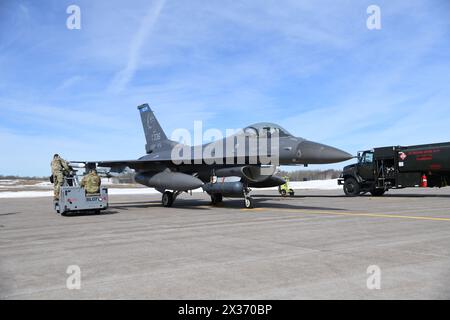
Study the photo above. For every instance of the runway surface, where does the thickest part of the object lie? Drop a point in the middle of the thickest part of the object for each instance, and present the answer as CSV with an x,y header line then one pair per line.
x,y
317,245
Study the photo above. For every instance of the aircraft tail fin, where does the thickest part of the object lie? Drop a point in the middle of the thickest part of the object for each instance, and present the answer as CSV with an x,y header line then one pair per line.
x,y
154,134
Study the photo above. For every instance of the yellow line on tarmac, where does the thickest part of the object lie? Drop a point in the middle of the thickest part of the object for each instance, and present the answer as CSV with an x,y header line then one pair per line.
x,y
348,213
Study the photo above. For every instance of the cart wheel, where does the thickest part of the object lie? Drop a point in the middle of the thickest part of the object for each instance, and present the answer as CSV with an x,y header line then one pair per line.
x,y
291,192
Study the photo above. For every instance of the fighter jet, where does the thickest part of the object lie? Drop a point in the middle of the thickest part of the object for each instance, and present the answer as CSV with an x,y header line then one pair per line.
x,y
250,156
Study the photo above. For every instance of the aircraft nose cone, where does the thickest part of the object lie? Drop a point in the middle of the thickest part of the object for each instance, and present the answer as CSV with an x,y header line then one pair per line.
x,y
313,152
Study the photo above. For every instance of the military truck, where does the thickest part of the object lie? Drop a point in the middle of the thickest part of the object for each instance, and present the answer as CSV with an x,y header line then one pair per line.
x,y
396,167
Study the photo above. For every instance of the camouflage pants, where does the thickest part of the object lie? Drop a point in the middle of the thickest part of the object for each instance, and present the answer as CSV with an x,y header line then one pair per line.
x,y
58,180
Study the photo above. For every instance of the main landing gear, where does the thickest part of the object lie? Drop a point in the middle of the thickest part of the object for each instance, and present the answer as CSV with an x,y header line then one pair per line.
x,y
217,199
169,197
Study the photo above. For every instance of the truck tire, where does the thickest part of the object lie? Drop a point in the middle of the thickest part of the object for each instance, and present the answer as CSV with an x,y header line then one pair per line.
x,y
377,192
351,187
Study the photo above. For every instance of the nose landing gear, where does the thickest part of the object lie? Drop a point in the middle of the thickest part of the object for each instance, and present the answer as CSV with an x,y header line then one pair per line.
x,y
248,201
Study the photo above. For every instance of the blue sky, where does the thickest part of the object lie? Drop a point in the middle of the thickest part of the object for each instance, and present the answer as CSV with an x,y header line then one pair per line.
x,y
311,66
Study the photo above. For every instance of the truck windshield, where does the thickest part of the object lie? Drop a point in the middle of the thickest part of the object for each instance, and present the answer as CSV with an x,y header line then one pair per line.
x,y
367,157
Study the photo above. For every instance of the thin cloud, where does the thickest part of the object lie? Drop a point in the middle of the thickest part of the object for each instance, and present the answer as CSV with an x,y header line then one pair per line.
x,y
125,75
69,82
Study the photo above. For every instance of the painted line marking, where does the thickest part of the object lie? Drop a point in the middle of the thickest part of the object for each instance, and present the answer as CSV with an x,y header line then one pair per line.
x,y
356,214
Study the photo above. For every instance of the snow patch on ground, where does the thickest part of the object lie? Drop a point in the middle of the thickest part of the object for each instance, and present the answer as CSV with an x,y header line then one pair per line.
x,y
7,182
105,181
25,194
45,184
119,191
296,185
330,184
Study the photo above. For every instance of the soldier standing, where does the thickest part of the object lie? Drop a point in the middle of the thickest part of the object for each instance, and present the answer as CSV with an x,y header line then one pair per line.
x,y
91,182
60,168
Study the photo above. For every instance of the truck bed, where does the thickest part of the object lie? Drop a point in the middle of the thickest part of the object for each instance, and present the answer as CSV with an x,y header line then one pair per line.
x,y
419,158
433,157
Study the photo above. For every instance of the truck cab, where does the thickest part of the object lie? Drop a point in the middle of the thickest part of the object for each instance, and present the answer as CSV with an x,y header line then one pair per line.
x,y
365,164
361,176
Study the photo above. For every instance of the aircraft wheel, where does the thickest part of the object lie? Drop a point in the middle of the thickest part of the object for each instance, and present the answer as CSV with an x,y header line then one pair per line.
x,y
167,199
377,192
283,193
291,192
216,198
249,203
351,187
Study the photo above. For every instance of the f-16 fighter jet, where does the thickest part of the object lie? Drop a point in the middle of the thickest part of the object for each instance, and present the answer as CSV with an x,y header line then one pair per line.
x,y
250,156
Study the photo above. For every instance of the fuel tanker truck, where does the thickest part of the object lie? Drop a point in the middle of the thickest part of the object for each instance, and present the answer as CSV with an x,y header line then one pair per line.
x,y
396,167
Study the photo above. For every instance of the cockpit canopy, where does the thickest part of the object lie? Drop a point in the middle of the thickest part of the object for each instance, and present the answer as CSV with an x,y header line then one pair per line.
x,y
266,129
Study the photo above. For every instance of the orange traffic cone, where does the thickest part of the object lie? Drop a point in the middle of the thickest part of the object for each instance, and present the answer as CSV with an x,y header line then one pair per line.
x,y
424,183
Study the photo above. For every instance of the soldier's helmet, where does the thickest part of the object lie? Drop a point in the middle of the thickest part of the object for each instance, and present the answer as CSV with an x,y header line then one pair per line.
x,y
93,171
55,156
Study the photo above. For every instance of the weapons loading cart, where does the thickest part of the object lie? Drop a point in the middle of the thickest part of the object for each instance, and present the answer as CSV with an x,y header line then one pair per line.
x,y
73,198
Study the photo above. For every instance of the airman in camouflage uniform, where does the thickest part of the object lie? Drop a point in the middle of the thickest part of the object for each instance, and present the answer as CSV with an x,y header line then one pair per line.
x,y
91,182
60,168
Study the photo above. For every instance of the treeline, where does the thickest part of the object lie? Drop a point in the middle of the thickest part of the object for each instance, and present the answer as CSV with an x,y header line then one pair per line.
x,y
306,175
13,177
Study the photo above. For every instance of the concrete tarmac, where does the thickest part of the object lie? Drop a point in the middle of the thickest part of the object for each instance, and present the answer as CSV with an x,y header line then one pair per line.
x,y
316,245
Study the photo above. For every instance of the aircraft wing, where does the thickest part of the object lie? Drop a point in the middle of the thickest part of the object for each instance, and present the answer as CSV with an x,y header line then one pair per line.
x,y
147,164
118,165
133,164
